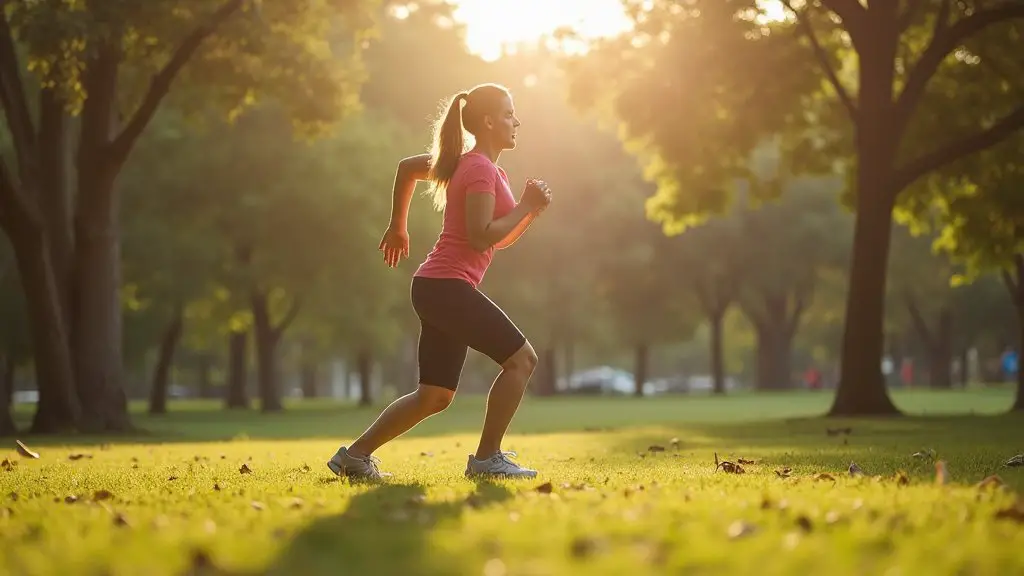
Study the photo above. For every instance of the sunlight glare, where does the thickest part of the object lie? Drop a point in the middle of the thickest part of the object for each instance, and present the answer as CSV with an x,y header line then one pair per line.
x,y
494,25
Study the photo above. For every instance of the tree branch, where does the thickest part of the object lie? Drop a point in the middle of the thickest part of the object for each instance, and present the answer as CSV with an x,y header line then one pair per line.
x,y
822,57
15,103
918,320
289,317
851,12
160,85
1001,130
945,40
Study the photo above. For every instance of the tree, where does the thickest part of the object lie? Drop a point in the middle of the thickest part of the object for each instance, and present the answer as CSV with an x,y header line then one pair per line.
x,y
112,64
789,242
744,79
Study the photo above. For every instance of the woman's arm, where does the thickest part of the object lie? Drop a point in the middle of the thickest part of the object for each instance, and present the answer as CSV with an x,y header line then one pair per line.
x,y
484,232
410,171
516,232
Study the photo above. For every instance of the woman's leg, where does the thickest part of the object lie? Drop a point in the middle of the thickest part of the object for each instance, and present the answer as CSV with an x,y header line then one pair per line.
x,y
504,398
441,359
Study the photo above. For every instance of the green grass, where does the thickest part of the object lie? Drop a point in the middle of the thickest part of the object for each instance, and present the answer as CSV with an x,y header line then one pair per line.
x,y
178,496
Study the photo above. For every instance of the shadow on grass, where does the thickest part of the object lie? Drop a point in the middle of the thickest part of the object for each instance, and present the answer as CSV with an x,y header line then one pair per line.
x,y
384,531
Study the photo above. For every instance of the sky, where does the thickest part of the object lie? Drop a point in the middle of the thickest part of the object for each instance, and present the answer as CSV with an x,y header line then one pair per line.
x,y
490,24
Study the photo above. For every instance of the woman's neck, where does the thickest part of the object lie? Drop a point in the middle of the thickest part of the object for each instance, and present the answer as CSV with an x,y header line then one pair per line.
x,y
492,153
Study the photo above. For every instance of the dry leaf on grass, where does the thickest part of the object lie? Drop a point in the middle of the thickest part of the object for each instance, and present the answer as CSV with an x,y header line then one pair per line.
x,y
745,461
927,454
941,474
79,456
1015,512
784,473
739,529
25,450
13,496
993,481
172,478
656,448
9,465
70,499
120,520
823,476
100,495
804,523
257,505
728,467
245,469
216,487
544,488
1017,460
902,479
855,470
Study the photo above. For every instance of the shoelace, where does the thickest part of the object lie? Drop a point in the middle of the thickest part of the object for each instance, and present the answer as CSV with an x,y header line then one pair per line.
x,y
506,456
372,461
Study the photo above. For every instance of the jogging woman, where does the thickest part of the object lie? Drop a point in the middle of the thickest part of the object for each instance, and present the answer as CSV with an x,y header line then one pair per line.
x,y
480,216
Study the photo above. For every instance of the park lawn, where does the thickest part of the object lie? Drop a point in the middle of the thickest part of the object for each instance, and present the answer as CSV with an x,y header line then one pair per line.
x,y
174,500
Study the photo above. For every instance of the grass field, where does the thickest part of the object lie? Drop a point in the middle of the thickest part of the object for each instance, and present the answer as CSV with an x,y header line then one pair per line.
x,y
174,501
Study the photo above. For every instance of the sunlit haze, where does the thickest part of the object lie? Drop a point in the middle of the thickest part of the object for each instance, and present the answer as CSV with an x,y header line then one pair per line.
x,y
491,25
494,24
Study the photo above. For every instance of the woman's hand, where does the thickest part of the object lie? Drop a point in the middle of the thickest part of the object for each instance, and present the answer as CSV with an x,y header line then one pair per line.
x,y
394,245
537,195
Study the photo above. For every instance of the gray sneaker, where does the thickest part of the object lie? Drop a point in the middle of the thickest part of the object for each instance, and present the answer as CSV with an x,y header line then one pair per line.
x,y
344,464
498,465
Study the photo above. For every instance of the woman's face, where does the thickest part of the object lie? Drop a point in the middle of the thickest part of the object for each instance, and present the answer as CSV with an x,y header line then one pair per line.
x,y
503,124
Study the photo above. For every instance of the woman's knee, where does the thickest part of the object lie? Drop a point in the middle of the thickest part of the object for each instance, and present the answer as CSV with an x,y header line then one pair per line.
x,y
433,399
524,361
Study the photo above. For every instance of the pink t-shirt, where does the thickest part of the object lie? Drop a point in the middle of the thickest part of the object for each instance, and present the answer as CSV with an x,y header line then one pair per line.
x,y
452,256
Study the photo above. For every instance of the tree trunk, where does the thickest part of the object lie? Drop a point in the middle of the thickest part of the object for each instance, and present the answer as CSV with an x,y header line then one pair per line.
x,y
266,354
237,395
717,358
940,355
774,356
203,375
55,196
861,389
7,367
570,360
161,374
642,362
364,364
96,328
309,380
544,381
58,409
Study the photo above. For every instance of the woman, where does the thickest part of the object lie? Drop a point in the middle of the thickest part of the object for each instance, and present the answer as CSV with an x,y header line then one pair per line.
x,y
480,215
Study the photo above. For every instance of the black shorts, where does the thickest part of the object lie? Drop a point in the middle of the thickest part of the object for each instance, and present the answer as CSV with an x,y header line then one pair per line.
x,y
455,316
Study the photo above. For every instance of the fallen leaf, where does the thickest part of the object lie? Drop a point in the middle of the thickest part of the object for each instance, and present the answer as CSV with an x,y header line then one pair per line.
x,y
306,468
8,464
941,474
245,469
172,478
13,496
728,467
656,448
855,470
79,456
924,454
258,505
120,520
427,454
993,481
804,523
784,473
25,450
744,461
902,479
583,547
1017,460
70,499
1014,512
545,488
739,529
824,476
216,487
101,495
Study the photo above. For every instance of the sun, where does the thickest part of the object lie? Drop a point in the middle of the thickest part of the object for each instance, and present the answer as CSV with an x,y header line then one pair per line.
x,y
491,25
